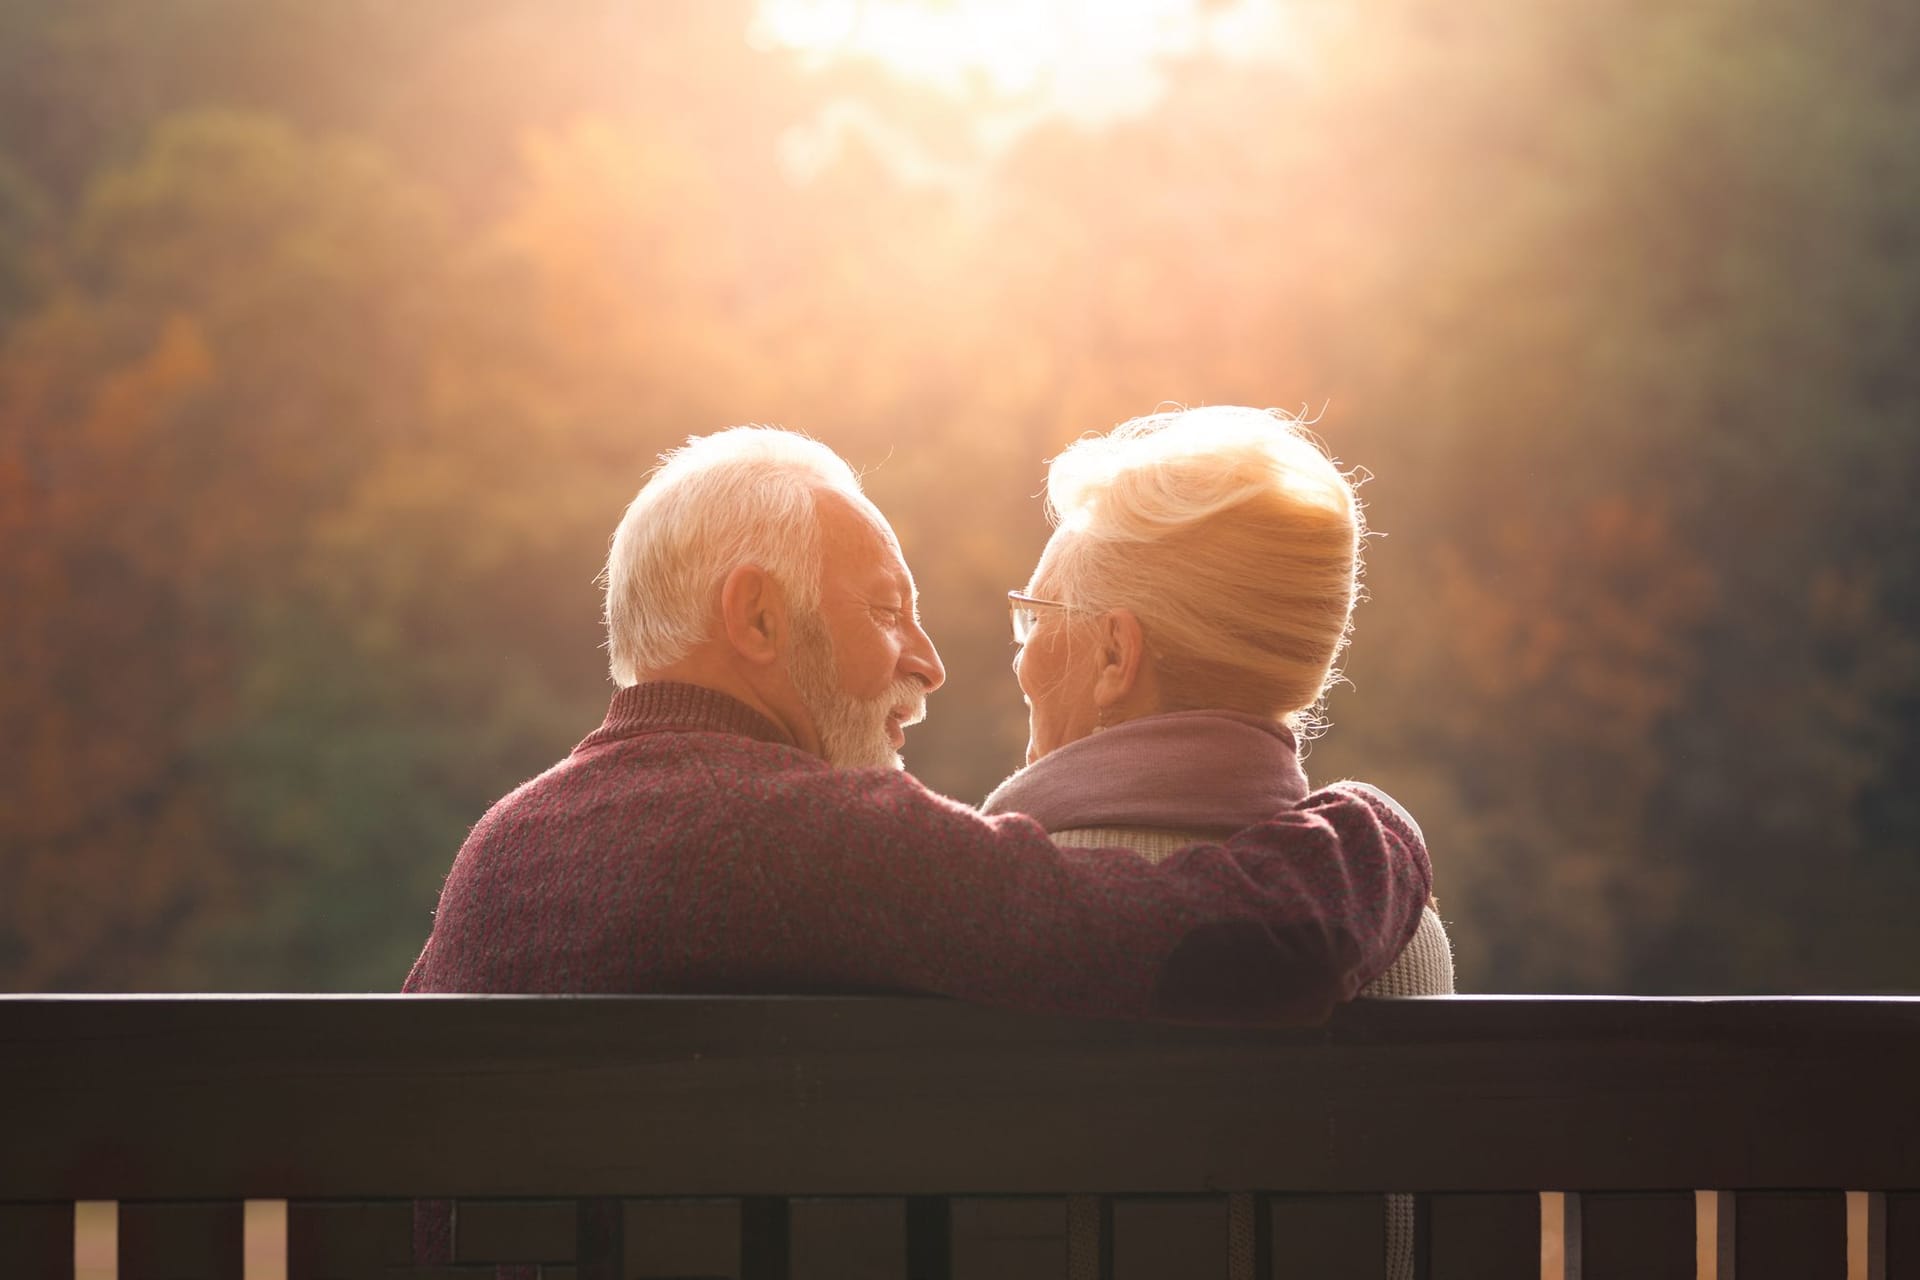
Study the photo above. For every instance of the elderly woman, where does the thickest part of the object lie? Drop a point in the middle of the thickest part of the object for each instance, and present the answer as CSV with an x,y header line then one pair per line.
x,y
1176,640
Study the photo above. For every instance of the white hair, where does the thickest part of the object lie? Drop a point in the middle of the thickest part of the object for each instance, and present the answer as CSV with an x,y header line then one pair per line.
x,y
745,495
1235,540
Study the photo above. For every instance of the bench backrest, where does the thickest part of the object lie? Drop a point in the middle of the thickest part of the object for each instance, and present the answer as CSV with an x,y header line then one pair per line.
x,y
758,1137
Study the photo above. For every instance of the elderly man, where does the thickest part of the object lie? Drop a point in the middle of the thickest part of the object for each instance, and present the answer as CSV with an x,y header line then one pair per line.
x,y
727,829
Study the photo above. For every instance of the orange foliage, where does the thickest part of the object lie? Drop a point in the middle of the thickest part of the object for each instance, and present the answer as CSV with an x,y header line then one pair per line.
x,y
1587,617
314,421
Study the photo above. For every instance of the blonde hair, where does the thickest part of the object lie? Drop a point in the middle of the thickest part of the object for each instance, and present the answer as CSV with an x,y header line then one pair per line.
x,y
745,495
1233,538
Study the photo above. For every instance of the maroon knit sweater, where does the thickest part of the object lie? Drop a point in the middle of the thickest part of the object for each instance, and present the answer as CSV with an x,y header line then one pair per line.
x,y
687,847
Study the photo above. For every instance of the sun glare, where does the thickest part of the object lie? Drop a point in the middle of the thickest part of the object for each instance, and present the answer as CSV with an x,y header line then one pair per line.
x,y
1091,59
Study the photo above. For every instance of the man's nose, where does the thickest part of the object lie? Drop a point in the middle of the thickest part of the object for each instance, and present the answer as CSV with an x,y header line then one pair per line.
x,y
923,660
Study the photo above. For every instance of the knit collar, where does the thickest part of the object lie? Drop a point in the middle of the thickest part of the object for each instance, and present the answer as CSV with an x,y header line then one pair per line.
x,y
1204,772
656,706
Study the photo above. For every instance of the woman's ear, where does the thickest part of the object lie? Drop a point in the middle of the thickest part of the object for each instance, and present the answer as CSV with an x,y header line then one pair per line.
x,y
753,615
1122,658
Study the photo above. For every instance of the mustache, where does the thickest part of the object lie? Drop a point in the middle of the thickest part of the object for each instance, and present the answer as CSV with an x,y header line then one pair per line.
x,y
910,695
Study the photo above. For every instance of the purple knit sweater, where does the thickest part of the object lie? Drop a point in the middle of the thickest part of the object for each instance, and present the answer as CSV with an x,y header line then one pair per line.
x,y
687,847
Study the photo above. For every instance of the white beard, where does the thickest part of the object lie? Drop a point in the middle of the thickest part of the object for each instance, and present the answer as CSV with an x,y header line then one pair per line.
x,y
853,731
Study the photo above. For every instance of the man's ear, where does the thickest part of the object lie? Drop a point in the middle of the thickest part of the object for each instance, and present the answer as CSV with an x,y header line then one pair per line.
x,y
1122,657
753,615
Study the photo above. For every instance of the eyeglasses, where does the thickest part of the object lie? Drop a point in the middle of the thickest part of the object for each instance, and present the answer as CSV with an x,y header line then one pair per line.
x,y
1026,613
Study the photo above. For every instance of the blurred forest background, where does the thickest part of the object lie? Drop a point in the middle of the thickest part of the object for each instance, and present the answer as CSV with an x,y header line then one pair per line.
x,y
334,338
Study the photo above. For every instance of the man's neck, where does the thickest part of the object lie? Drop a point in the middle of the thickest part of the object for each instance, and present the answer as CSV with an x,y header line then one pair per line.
x,y
711,667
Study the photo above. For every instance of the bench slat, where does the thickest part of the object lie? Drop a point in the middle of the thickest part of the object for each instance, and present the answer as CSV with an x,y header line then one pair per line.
x,y
1483,1237
675,1238
1892,1244
515,1231
362,1097
1327,1237
1169,1238
198,1240
1016,1238
929,1251
343,1240
1634,1235
765,1237
1790,1235
849,1238
37,1240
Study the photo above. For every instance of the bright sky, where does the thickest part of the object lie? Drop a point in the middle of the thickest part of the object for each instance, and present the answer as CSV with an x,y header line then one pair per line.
x,y
1091,61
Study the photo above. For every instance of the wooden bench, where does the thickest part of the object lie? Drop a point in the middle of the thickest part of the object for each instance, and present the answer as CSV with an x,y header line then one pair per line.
x,y
586,1138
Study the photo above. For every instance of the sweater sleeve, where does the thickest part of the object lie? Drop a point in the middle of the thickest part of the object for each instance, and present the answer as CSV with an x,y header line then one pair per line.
x,y
907,890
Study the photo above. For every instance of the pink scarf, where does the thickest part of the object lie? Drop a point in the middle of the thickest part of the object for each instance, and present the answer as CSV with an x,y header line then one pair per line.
x,y
1208,772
